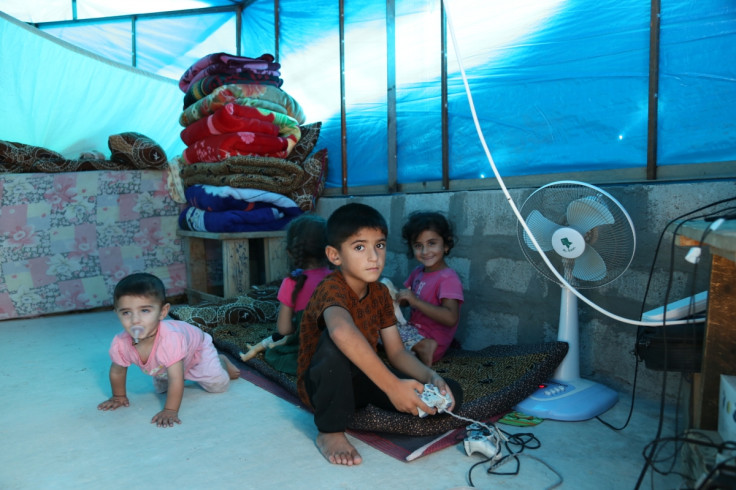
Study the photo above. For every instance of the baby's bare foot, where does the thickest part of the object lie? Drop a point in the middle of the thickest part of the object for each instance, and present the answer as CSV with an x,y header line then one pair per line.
x,y
336,448
232,369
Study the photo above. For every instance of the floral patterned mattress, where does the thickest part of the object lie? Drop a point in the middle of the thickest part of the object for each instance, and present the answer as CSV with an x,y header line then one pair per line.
x,y
66,239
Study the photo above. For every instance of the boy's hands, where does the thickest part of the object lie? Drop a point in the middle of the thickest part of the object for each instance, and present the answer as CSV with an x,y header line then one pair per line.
x,y
166,418
440,383
406,397
409,401
114,402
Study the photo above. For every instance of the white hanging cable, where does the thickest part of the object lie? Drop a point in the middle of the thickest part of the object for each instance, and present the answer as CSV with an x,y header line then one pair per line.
x,y
515,209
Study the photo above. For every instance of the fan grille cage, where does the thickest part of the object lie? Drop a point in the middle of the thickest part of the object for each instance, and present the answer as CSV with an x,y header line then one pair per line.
x,y
615,243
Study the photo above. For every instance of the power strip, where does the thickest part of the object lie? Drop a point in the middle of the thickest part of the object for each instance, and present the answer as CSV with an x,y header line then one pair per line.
x,y
679,309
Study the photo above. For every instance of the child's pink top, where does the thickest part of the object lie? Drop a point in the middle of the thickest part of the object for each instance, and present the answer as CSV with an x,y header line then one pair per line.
x,y
175,341
433,287
314,277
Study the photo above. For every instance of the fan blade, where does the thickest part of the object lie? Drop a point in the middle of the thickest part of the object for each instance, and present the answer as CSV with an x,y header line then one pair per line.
x,y
589,266
542,229
586,213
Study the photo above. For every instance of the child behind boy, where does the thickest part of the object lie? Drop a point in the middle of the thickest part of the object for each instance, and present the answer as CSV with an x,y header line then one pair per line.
x,y
169,350
339,369
434,292
305,246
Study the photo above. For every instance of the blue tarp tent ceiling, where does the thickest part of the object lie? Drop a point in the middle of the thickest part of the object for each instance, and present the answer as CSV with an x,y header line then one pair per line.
x,y
559,86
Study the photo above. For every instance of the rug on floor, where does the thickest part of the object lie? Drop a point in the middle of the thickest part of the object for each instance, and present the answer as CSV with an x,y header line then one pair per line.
x,y
494,379
400,446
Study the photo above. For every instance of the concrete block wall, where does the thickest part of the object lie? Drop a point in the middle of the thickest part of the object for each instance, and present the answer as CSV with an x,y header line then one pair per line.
x,y
507,301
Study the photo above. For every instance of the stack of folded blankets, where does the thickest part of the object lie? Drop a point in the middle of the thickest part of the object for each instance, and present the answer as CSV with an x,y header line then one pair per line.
x,y
249,163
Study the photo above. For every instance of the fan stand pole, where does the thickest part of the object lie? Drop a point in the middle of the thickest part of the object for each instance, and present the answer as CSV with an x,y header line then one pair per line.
x,y
569,331
567,396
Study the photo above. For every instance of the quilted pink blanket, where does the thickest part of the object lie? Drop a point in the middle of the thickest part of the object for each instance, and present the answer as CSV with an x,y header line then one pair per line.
x,y
67,238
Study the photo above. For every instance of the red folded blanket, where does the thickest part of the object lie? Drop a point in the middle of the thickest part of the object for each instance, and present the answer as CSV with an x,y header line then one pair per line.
x,y
264,97
220,147
231,118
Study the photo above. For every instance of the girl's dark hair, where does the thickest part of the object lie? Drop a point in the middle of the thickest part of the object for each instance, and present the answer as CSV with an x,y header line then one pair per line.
x,y
420,221
140,284
306,240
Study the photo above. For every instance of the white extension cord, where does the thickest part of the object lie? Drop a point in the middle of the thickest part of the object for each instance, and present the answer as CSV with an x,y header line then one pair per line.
x,y
516,210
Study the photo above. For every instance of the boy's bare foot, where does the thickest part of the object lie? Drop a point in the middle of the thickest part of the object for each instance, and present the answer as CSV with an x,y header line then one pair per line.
x,y
232,369
336,448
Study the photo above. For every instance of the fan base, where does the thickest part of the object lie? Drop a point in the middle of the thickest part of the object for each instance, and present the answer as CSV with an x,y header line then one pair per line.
x,y
575,400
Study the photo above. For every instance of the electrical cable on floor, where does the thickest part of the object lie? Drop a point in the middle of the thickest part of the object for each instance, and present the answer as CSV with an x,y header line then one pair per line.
x,y
631,406
643,304
533,239
516,456
680,440
713,217
716,219
648,458
655,458
520,442
715,224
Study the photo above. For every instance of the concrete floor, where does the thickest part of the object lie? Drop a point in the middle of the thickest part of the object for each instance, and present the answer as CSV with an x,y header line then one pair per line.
x,y
54,373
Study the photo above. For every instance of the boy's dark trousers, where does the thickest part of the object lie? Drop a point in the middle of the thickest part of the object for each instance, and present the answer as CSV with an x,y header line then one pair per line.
x,y
336,388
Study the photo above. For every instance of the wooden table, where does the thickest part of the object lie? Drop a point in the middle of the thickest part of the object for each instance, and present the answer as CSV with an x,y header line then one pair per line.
x,y
719,343
246,258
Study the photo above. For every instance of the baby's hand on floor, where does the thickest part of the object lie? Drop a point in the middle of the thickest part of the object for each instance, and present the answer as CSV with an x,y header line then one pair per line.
x,y
113,403
166,418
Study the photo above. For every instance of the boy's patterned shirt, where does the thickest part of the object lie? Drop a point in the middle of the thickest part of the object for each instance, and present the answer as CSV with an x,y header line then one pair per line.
x,y
370,314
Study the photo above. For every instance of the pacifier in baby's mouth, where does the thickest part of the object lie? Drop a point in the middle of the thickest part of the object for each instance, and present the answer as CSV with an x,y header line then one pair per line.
x,y
136,331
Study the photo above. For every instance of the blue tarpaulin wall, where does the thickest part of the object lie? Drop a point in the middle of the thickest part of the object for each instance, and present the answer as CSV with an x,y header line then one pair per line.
x,y
559,86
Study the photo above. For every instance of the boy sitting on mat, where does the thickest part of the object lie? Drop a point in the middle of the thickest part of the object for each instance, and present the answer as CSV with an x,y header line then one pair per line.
x,y
338,368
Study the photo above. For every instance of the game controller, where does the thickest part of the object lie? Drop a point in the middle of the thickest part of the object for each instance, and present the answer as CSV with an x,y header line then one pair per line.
x,y
478,443
432,397
480,440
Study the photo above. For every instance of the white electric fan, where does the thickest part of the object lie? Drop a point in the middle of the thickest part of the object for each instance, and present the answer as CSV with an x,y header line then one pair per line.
x,y
589,239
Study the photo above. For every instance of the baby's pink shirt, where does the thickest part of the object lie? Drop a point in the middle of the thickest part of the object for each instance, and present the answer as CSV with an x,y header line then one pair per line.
x,y
175,341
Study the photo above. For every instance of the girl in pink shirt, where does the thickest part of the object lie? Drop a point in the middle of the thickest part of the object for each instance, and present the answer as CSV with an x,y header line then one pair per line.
x,y
170,351
434,292
305,246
